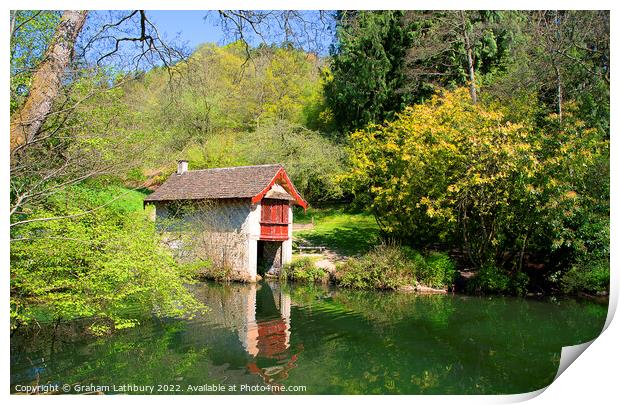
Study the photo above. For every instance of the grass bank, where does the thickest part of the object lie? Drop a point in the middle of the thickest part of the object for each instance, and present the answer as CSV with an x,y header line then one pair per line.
x,y
388,267
340,229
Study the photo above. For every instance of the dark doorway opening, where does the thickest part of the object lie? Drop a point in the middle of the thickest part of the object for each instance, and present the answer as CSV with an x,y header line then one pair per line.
x,y
268,257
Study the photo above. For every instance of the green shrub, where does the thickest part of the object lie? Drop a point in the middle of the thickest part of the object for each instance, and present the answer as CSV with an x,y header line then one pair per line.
x,y
587,277
490,279
390,267
439,271
303,270
519,283
108,265
384,267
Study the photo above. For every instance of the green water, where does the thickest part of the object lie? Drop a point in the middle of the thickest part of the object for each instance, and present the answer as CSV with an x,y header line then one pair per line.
x,y
331,341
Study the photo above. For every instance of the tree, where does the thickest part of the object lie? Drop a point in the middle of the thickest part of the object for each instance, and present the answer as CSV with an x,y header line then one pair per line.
x,y
384,61
367,68
560,57
457,48
31,32
47,153
574,50
469,57
301,29
107,266
453,171
60,269
313,162
47,79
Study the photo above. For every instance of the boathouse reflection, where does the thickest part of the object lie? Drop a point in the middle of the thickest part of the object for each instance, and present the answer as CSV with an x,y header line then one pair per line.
x,y
260,314
269,333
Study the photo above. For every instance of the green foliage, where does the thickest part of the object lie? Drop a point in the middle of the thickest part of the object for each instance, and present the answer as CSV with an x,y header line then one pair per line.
x,y
439,271
386,60
587,276
107,265
382,268
219,90
224,112
303,269
105,127
461,173
490,279
313,162
106,190
439,47
506,181
439,163
389,267
566,50
519,283
367,68
589,270
33,31
81,142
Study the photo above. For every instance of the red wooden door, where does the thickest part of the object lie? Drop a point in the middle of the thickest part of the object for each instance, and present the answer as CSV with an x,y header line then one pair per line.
x,y
274,219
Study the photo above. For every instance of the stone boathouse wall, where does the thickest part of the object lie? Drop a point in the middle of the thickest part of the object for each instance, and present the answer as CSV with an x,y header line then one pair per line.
x,y
224,231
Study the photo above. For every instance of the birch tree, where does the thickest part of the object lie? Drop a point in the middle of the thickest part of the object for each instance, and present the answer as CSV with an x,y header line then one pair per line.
x,y
49,148
47,79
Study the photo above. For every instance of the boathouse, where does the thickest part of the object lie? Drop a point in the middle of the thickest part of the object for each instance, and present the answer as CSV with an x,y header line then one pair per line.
x,y
245,214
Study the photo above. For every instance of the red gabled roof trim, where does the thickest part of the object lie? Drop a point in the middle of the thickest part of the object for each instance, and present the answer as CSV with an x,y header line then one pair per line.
x,y
288,186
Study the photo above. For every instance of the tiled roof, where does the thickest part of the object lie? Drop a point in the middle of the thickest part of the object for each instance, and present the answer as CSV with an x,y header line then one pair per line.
x,y
228,182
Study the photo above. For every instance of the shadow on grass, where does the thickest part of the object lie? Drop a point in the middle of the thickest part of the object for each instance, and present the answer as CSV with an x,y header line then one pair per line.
x,y
144,190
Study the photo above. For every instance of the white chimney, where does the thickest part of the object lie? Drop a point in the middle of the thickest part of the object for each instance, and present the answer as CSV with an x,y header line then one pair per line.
x,y
182,166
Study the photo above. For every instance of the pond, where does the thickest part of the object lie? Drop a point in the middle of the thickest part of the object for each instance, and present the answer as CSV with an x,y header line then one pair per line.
x,y
321,340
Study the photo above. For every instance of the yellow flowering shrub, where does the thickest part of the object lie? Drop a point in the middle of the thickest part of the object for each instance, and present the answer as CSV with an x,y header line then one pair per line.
x,y
452,171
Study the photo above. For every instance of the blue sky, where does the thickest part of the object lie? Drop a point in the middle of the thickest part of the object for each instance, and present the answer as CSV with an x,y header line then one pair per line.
x,y
193,29
189,26
187,30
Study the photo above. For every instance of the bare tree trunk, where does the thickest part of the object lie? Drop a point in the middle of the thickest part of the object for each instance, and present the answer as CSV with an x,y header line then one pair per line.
x,y
13,20
472,78
47,79
558,77
470,60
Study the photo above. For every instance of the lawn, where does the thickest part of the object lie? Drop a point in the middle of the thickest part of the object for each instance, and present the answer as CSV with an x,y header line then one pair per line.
x,y
339,229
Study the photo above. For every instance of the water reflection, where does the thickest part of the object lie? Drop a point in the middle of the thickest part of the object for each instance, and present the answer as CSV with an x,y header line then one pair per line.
x,y
333,341
260,314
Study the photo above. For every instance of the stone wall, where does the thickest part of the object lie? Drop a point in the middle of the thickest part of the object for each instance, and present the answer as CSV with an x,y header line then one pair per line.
x,y
216,230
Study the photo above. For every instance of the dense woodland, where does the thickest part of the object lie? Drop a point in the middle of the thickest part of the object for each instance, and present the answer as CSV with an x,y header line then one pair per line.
x,y
482,134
